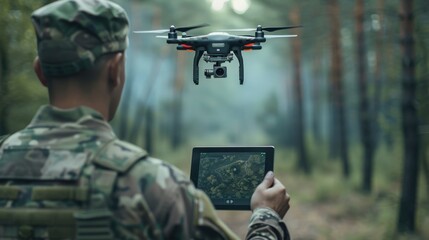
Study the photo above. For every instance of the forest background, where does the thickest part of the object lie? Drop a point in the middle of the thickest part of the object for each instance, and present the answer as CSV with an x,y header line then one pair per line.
x,y
346,103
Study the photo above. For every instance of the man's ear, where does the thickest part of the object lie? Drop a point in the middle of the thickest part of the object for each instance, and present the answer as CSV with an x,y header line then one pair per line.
x,y
116,66
38,70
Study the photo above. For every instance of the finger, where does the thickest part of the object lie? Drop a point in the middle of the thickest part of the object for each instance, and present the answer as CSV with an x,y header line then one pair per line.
x,y
268,180
277,188
277,185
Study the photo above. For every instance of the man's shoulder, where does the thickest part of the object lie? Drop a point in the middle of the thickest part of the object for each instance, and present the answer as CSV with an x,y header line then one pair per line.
x,y
156,171
131,160
119,155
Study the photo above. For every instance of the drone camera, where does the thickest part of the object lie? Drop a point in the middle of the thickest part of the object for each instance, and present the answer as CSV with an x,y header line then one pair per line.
x,y
216,72
219,72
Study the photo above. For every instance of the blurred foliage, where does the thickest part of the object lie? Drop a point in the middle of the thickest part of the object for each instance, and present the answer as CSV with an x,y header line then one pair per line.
x,y
24,93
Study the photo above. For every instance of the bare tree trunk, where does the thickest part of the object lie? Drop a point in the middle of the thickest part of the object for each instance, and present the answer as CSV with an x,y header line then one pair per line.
x,y
336,78
316,91
296,49
4,71
365,126
424,162
177,138
3,89
149,146
378,72
408,201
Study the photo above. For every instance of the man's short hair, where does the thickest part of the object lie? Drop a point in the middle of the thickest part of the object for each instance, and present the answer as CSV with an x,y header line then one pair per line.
x,y
73,34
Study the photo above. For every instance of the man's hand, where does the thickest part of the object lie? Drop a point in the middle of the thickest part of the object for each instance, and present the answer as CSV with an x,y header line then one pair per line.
x,y
272,194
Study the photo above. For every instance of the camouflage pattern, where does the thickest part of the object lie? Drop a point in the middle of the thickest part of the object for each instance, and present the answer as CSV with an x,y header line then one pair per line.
x,y
102,185
72,34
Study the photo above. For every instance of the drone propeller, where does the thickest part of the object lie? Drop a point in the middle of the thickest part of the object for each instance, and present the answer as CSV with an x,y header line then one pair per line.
x,y
153,31
268,29
179,29
279,36
185,29
272,29
166,37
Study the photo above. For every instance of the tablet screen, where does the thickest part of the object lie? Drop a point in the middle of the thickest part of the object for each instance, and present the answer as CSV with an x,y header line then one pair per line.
x,y
229,175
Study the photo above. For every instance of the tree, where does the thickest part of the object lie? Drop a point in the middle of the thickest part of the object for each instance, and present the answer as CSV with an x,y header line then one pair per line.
x,y
407,207
4,68
365,126
299,109
339,117
317,96
379,28
177,136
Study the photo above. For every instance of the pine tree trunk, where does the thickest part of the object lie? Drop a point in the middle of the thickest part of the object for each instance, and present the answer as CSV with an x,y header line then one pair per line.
x,y
300,122
364,113
149,129
177,137
336,79
316,92
408,201
4,69
378,73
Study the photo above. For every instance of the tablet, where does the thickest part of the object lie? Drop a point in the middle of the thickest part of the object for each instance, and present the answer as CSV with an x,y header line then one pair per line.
x,y
229,175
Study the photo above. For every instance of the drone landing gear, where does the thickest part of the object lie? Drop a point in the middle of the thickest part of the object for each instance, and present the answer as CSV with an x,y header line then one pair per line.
x,y
198,54
237,53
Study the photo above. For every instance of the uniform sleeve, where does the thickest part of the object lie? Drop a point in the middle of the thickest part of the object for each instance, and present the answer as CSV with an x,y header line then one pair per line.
x,y
265,223
184,212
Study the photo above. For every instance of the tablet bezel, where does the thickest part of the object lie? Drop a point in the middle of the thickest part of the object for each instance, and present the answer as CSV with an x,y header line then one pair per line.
x,y
196,153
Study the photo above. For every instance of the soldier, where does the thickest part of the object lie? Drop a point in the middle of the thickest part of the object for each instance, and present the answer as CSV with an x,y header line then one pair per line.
x,y
79,180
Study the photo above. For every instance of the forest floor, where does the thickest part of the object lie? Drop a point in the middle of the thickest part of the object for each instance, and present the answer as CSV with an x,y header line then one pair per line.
x,y
336,214
325,205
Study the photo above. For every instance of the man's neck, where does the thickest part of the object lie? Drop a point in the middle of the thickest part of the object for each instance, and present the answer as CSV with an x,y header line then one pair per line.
x,y
67,100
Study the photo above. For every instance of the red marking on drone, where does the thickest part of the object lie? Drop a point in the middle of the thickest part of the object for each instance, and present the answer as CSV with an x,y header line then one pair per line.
x,y
186,46
249,45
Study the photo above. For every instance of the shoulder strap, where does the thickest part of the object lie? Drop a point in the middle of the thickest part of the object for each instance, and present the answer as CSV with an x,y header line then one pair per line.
x,y
118,155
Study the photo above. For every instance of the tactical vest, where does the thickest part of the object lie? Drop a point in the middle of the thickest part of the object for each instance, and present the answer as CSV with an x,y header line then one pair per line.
x,y
63,193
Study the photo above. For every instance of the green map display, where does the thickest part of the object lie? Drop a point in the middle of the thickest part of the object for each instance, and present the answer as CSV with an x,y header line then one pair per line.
x,y
231,177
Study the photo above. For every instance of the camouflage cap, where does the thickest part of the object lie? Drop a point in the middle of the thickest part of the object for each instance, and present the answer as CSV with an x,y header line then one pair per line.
x,y
72,34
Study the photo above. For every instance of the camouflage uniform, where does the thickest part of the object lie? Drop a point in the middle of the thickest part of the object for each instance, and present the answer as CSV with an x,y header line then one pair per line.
x,y
67,176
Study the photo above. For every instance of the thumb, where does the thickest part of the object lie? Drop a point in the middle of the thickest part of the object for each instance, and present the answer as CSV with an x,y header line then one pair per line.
x,y
268,180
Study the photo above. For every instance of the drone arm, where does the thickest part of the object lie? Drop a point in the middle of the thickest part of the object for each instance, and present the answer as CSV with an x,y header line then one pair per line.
x,y
198,54
237,53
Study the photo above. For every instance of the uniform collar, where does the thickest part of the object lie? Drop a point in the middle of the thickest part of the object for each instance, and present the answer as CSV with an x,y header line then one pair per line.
x,y
49,115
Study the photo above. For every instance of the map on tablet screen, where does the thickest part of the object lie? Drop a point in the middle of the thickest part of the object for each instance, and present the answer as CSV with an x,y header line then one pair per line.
x,y
229,175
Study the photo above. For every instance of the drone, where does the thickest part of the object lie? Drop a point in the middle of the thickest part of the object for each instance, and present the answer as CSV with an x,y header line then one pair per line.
x,y
218,47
